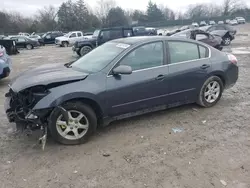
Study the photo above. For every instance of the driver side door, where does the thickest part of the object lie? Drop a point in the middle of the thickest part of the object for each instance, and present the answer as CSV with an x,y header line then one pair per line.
x,y
147,85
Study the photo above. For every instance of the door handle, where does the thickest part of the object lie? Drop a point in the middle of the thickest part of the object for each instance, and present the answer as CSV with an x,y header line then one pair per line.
x,y
205,66
160,77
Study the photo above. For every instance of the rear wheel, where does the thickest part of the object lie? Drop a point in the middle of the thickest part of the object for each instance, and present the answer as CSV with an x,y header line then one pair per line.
x,y
81,125
29,46
84,50
227,41
210,92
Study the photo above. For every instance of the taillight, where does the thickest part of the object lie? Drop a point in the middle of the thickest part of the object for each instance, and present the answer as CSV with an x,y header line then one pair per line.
x,y
232,58
1,54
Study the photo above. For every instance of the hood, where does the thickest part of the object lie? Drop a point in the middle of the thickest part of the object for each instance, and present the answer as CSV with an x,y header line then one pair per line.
x,y
62,38
87,40
44,75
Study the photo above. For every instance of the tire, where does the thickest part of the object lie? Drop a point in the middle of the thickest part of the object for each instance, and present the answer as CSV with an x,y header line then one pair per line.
x,y
29,46
71,139
227,41
78,53
203,100
84,50
65,44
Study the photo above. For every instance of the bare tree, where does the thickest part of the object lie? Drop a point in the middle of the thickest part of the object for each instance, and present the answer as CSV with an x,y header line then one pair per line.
x,y
46,18
230,6
103,8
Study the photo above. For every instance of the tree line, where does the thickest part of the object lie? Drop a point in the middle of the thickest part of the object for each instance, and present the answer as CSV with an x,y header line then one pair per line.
x,y
79,16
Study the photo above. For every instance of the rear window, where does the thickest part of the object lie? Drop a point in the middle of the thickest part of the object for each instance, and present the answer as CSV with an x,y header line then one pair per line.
x,y
203,51
182,51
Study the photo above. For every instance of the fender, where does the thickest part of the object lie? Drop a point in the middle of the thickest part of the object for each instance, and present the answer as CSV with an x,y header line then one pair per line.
x,y
53,101
85,43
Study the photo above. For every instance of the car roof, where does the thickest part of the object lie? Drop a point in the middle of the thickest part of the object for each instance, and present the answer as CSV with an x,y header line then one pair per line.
x,y
145,39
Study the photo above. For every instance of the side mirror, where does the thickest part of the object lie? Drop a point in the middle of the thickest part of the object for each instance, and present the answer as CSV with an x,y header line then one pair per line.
x,y
100,37
122,69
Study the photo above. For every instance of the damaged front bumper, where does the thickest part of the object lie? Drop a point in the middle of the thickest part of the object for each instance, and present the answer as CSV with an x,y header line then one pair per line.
x,y
19,108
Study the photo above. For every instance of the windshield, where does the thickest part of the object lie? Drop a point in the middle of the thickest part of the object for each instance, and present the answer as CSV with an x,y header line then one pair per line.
x,y
96,33
100,57
67,35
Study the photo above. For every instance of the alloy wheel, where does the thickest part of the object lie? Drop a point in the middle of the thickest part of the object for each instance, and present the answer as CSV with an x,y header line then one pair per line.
x,y
227,41
212,92
76,128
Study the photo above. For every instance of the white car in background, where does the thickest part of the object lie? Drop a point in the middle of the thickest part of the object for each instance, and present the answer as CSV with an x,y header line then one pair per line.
x,y
69,39
233,22
240,20
195,24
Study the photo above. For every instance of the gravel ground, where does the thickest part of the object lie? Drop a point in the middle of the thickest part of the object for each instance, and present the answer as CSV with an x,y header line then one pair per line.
x,y
212,150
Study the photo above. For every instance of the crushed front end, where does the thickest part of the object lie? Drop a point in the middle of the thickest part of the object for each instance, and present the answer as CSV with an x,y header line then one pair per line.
x,y
19,108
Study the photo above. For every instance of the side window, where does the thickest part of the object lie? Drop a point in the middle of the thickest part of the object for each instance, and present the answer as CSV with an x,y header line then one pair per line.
x,y
20,39
203,52
146,56
182,51
201,36
79,34
48,36
105,35
72,35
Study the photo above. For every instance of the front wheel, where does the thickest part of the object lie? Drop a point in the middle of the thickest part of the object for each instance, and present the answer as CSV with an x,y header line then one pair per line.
x,y
84,50
81,124
210,92
29,46
65,44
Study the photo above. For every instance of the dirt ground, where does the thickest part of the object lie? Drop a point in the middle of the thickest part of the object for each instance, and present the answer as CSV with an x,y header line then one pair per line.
x,y
212,150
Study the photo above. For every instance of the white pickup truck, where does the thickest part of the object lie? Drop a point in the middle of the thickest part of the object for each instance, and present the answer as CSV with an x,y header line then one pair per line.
x,y
69,39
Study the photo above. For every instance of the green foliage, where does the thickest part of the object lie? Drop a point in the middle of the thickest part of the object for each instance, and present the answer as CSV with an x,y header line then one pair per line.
x,y
116,17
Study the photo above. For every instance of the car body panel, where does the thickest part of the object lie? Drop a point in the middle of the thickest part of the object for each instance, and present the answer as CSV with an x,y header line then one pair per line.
x,y
45,74
5,63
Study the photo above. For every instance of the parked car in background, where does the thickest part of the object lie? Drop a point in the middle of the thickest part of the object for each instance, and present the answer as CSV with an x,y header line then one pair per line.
x,y
212,22
25,42
24,34
151,31
35,37
227,21
120,79
227,27
240,20
185,27
233,22
203,23
143,31
225,31
88,35
195,24
163,32
50,37
220,22
99,37
69,39
5,63
202,36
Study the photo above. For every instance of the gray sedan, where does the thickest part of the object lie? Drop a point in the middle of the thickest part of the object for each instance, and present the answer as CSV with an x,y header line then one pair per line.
x,y
119,79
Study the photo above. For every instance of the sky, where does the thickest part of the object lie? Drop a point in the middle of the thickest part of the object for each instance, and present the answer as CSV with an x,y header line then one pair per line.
x,y
29,7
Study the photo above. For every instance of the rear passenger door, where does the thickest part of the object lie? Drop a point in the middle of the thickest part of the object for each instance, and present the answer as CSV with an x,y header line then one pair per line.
x,y
188,68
